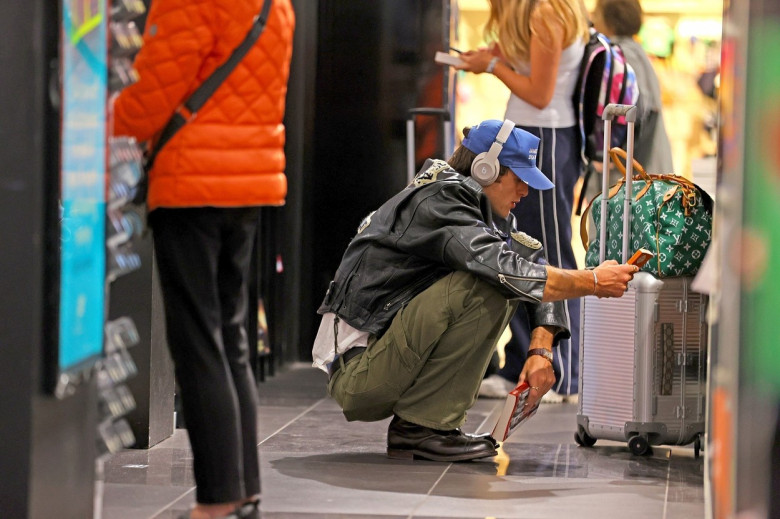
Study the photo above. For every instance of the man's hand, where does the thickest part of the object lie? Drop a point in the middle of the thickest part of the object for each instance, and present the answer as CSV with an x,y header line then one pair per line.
x,y
538,371
612,278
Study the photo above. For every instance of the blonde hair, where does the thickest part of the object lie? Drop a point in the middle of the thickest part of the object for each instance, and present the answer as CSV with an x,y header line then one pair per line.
x,y
510,24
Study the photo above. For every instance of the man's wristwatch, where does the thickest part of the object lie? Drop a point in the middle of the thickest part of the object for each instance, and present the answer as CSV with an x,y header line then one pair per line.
x,y
544,352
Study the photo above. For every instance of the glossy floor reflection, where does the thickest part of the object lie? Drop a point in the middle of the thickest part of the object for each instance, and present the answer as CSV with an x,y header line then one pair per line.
x,y
316,465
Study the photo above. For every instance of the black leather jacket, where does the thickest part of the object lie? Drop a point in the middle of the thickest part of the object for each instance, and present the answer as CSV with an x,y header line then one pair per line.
x,y
440,223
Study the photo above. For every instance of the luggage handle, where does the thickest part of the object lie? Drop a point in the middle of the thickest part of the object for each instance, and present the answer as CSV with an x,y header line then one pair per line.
x,y
412,113
613,110
610,112
619,153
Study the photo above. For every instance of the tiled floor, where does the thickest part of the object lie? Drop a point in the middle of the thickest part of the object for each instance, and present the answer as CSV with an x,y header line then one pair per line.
x,y
316,465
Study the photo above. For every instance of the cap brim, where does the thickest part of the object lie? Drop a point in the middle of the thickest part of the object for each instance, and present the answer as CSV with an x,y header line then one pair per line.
x,y
533,177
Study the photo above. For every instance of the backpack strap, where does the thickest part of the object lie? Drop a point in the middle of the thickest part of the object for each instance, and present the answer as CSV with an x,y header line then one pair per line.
x,y
189,108
624,84
202,94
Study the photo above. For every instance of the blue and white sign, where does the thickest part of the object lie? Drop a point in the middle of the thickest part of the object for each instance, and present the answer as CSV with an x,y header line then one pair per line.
x,y
83,154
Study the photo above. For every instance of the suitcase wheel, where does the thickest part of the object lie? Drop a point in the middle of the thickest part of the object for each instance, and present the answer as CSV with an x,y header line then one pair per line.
x,y
583,439
638,445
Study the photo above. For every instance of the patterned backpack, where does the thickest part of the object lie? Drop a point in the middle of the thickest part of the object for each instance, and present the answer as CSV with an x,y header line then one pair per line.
x,y
605,77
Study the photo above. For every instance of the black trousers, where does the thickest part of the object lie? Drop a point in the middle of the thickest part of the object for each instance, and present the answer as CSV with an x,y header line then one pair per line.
x,y
203,255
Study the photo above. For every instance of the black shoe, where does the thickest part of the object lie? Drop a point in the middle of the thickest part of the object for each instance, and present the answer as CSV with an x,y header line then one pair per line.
x,y
406,440
480,436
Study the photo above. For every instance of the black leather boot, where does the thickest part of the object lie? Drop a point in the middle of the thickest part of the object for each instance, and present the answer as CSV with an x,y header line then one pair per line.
x,y
481,436
406,440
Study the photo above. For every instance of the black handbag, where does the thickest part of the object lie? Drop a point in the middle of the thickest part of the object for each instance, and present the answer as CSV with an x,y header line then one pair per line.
x,y
189,108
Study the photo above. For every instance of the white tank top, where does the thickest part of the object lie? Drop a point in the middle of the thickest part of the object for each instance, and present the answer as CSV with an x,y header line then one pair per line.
x,y
560,112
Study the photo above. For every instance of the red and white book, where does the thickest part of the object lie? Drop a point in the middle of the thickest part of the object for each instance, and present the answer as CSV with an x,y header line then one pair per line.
x,y
514,413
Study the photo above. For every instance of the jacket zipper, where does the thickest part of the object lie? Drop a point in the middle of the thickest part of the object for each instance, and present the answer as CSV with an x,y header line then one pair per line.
x,y
405,294
503,279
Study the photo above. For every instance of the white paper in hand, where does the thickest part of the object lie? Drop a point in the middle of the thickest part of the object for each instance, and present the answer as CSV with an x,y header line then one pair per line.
x,y
447,59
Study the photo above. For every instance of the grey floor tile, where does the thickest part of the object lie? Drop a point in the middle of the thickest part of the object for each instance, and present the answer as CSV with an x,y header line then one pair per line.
x,y
333,489
513,500
127,501
322,515
274,418
354,482
160,467
315,464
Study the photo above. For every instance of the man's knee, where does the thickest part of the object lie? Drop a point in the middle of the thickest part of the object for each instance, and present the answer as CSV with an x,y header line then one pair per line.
x,y
369,405
368,387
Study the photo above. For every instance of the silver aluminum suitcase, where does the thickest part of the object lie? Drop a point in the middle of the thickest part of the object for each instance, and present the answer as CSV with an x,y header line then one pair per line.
x,y
643,356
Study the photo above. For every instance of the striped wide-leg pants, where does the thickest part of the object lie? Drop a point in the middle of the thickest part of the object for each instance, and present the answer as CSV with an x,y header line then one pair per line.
x,y
546,216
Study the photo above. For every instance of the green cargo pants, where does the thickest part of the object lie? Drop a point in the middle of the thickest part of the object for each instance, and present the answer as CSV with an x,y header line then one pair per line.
x,y
428,365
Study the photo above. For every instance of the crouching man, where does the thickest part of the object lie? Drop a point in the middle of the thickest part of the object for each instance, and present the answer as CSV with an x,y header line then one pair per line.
x,y
428,284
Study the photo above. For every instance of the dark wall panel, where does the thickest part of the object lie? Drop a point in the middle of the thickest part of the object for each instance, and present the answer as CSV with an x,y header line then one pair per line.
x,y
47,456
374,63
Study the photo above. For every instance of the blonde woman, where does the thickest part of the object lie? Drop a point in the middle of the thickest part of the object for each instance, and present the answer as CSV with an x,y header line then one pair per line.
x,y
536,48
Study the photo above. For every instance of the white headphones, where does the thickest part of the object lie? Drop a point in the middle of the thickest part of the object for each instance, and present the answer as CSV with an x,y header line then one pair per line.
x,y
485,167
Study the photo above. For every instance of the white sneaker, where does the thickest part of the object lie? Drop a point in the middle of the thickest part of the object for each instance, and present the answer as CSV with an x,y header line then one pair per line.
x,y
495,386
551,397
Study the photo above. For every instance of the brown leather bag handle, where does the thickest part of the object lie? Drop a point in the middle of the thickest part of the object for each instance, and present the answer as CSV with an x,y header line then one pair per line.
x,y
688,188
584,224
619,153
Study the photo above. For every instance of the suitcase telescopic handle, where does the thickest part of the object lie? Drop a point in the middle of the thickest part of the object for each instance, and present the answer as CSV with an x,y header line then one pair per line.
x,y
411,114
610,112
614,110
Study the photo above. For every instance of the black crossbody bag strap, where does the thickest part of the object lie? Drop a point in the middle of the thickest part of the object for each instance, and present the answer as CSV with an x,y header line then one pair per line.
x,y
210,85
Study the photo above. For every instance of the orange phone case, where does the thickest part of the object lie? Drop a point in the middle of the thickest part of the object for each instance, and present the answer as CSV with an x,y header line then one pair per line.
x,y
640,257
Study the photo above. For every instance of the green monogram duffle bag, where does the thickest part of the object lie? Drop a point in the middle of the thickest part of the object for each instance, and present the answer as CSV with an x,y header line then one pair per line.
x,y
671,216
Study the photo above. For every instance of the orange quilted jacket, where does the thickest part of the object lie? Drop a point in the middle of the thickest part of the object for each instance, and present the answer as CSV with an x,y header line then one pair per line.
x,y
232,152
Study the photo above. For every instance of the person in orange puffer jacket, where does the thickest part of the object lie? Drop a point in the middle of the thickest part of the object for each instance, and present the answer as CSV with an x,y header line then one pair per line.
x,y
204,193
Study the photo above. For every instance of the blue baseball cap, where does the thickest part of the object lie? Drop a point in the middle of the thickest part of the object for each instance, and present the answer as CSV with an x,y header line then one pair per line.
x,y
518,152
